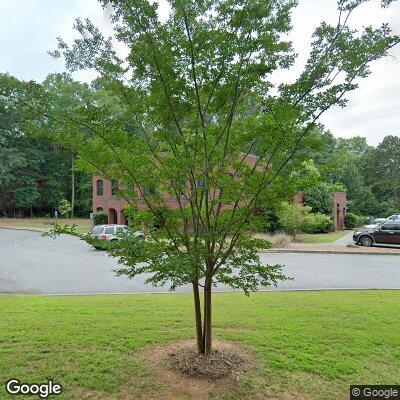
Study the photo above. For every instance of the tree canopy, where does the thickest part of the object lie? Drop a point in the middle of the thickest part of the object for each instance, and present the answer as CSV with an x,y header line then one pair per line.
x,y
185,111
385,164
35,174
366,173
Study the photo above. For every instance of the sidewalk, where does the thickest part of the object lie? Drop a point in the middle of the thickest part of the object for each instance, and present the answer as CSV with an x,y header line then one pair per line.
x,y
343,245
330,248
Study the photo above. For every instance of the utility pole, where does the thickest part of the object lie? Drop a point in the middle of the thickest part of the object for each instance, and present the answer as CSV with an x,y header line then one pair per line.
x,y
72,185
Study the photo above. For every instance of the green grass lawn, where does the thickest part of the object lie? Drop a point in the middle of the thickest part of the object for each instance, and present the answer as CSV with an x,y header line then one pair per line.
x,y
321,237
83,225
309,345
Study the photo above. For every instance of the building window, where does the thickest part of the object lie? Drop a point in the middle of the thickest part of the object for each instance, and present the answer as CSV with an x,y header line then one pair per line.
x,y
114,188
100,187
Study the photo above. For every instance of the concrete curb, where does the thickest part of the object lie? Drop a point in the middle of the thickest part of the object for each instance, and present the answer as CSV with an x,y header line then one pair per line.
x,y
396,253
189,292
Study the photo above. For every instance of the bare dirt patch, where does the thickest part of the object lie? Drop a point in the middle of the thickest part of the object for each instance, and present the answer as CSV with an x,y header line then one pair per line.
x,y
217,365
187,375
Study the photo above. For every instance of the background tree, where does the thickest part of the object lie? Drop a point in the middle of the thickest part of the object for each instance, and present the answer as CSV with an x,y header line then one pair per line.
x,y
319,198
65,208
292,216
183,112
18,189
354,164
385,164
34,174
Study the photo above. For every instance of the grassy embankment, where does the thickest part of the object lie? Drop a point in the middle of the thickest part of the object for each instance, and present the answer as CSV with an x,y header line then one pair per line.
x,y
44,224
309,345
321,237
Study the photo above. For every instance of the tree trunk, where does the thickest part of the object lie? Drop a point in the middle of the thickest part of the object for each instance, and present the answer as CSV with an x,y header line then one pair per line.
x,y
72,186
197,310
207,345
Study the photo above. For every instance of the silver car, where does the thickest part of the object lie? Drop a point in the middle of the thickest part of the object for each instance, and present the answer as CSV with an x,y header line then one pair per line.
x,y
380,221
111,232
108,232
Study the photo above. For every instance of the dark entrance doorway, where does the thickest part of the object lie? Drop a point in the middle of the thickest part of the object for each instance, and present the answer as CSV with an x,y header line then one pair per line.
x,y
112,216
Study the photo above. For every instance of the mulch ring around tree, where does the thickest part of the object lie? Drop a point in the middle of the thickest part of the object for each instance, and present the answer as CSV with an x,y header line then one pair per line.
x,y
187,374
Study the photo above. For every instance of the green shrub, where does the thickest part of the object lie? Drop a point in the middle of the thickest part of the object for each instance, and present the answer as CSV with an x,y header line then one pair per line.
x,y
268,221
65,208
317,223
291,217
350,220
361,220
100,218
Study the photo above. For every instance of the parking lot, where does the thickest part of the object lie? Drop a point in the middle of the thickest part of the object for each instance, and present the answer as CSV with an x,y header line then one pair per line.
x,y
30,263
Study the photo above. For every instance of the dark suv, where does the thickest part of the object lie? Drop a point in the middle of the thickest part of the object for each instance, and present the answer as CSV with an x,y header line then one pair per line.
x,y
386,233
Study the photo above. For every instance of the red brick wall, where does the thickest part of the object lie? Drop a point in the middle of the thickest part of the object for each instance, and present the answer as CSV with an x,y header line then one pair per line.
x,y
115,207
339,209
107,202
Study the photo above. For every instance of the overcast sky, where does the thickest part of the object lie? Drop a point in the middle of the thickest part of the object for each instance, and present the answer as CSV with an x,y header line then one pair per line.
x,y
28,29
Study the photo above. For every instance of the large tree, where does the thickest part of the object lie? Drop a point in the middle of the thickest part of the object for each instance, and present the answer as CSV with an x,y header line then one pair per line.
x,y
385,164
20,161
36,174
346,162
177,114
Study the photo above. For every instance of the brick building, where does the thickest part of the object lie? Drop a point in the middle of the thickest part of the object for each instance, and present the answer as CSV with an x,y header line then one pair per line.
x,y
338,211
105,197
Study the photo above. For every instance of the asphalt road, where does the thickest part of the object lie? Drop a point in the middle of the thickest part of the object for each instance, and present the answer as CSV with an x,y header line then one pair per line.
x,y
30,263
